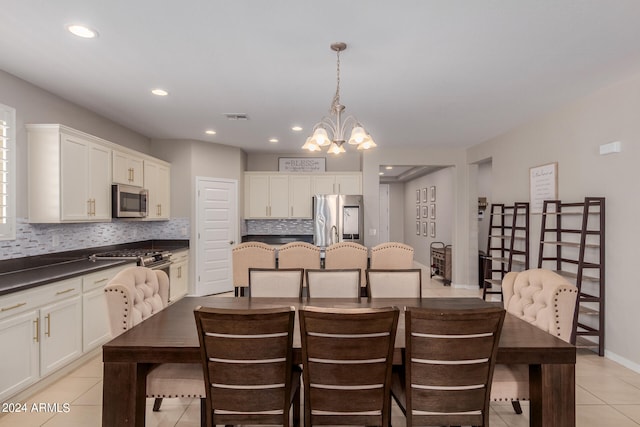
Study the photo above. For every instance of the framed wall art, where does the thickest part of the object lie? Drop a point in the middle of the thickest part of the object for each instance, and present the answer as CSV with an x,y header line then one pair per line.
x,y
543,185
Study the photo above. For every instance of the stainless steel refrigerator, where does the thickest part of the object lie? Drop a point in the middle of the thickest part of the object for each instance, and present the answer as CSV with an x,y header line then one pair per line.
x,y
337,218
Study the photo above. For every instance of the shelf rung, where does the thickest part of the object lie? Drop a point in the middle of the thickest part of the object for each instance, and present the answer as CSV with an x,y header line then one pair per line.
x,y
575,276
587,311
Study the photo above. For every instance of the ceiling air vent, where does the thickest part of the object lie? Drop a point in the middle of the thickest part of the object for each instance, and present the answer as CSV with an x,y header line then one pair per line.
x,y
237,116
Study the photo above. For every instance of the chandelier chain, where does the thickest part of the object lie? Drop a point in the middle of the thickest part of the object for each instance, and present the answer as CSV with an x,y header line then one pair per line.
x,y
336,97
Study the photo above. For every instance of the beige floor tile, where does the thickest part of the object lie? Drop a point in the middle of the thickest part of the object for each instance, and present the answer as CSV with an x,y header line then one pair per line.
x,y
191,416
92,397
28,419
78,416
66,390
91,369
631,411
583,397
610,389
168,415
601,416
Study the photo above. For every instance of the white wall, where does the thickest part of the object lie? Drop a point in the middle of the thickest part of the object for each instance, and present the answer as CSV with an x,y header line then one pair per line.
x,y
442,181
571,136
396,212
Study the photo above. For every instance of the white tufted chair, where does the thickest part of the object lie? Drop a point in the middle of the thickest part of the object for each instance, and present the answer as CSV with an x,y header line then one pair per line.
x,y
391,256
133,295
544,299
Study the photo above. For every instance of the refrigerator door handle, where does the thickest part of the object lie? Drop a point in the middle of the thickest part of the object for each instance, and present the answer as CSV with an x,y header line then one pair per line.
x,y
334,234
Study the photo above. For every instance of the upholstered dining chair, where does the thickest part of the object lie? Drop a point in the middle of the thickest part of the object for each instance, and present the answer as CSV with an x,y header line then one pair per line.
x,y
347,356
340,283
247,363
347,255
544,299
449,362
299,255
391,255
133,295
405,283
271,282
248,255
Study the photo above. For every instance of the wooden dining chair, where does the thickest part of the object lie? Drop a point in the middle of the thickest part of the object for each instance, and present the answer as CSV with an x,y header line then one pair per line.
x,y
247,364
405,283
133,295
347,356
449,362
271,282
391,255
248,255
347,255
341,283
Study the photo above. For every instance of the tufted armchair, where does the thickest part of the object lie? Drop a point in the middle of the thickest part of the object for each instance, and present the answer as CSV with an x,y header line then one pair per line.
x,y
133,295
544,299
391,256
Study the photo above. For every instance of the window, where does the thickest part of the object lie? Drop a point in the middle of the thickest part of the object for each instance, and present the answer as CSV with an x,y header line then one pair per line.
x,y
7,173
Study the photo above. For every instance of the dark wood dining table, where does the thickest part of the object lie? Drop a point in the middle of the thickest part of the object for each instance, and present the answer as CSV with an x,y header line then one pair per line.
x,y
170,337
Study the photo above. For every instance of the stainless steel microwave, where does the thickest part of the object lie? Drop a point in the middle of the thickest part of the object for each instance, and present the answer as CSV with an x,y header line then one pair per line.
x,y
129,201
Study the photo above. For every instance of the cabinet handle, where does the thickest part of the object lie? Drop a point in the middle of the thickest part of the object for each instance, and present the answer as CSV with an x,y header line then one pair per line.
x,y
64,292
291,210
89,207
20,304
101,280
48,331
37,326
94,207
180,272
266,211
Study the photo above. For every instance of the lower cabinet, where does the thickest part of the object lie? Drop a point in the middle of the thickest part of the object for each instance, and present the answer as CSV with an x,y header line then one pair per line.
x,y
46,328
179,275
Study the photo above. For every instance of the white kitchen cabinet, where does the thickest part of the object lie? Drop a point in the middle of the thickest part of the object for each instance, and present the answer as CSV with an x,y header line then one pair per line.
x,y
157,181
95,316
300,198
128,168
60,334
179,275
338,183
69,176
266,196
43,329
19,367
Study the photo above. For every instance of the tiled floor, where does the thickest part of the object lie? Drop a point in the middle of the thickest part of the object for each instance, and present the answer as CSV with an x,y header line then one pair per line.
x,y
607,394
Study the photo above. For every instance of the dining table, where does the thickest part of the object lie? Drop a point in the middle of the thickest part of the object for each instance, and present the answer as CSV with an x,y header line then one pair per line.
x,y
170,336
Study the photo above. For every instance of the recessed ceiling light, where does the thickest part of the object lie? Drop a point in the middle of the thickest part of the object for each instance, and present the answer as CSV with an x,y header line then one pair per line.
x,y
274,140
388,167
296,128
210,132
380,173
82,31
160,92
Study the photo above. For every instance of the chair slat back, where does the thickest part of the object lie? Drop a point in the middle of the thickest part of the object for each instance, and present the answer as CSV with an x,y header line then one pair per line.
x,y
333,283
271,282
450,357
405,283
247,358
347,356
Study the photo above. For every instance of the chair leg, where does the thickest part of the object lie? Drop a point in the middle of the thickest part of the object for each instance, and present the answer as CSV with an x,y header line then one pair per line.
x,y
203,412
156,404
296,408
516,406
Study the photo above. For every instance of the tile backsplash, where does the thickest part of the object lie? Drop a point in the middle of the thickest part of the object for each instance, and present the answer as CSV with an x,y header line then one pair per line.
x,y
279,226
40,239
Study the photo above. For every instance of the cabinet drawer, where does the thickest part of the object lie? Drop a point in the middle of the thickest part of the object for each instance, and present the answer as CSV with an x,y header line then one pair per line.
x,y
27,300
61,290
17,303
101,278
180,256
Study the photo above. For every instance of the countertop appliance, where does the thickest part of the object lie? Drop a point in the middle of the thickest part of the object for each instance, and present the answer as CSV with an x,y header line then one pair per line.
x,y
151,258
337,218
128,201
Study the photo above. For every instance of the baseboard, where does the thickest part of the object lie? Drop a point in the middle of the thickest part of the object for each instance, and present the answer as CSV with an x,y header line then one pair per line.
x,y
622,360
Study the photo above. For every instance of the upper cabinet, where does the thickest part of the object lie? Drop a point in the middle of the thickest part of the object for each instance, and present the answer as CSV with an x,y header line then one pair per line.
x,y
272,195
128,169
157,181
337,183
69,176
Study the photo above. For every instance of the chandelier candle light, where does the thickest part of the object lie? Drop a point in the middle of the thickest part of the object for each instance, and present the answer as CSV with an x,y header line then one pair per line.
x,y
338,126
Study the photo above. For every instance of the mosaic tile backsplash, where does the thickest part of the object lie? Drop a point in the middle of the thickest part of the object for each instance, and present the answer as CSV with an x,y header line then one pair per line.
x,y
279,226
40,239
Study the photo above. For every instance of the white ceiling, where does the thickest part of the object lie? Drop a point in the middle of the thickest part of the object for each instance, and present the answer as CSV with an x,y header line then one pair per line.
x,y
448,73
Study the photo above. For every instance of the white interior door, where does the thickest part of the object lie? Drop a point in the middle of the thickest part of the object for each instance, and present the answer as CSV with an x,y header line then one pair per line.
x,y
217,228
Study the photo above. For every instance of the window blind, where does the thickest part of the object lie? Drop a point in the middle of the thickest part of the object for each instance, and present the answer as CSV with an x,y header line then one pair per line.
x,y
7,173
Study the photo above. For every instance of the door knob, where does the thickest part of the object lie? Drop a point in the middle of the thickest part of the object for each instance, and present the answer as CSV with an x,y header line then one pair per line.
x,y
231,242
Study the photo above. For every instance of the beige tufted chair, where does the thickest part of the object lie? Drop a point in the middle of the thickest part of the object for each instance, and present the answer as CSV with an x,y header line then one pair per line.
x,y
299,255
544,299
250,255
133,295
347,255
392,256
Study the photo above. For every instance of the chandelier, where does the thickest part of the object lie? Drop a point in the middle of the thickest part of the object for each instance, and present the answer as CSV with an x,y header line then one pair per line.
x,y
338,126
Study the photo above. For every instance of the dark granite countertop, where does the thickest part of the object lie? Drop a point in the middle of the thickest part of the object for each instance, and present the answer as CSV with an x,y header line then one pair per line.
x,y
29,272
277,239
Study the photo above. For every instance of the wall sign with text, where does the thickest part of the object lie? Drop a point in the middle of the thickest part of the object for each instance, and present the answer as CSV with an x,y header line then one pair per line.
x,y
543,185
302,164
